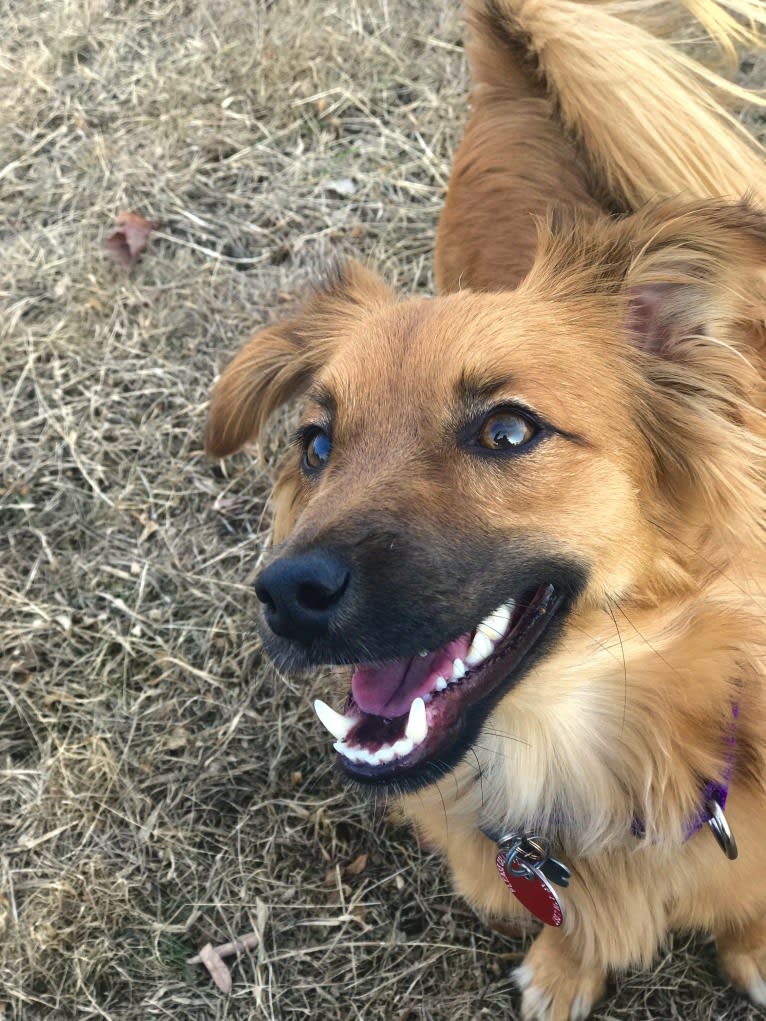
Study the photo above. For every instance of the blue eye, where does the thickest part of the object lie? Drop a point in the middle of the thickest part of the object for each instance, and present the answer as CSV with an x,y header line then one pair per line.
x,y
506,430
316,450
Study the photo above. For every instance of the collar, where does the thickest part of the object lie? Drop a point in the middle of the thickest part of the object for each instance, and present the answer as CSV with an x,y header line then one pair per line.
x,y
713,798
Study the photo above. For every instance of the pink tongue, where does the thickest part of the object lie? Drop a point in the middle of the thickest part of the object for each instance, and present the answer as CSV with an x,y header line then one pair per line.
x,y
390,689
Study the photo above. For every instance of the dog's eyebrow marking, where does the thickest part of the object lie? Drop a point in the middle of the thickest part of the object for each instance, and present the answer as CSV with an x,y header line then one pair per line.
x,y
320,394
475,390
476,393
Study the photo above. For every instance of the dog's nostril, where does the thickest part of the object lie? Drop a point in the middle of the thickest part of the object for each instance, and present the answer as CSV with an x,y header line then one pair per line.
x,y
301,594
264,595
312,596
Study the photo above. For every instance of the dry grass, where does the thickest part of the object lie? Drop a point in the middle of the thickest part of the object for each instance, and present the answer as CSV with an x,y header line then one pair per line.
x,y
161,787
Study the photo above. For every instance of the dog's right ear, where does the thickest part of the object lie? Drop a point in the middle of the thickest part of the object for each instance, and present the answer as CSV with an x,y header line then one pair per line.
x,y
280,361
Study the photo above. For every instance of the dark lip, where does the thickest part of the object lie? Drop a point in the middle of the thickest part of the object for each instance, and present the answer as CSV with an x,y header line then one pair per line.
x,y
419,599
463,719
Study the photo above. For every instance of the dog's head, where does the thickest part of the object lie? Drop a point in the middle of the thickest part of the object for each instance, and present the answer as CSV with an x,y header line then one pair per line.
x,y
471,471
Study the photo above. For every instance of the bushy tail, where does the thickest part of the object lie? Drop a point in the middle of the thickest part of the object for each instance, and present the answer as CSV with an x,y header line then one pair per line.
x,y
651,120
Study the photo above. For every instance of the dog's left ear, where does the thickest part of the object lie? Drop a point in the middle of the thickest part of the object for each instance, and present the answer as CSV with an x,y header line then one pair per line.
x,y
685,284
695,301
683,270
698,273
280,361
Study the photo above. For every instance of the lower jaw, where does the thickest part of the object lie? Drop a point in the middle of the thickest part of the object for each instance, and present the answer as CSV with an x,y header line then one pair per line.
x,y
460,722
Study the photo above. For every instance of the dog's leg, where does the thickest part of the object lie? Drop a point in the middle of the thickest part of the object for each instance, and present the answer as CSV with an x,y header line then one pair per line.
x,y
742,954
555,983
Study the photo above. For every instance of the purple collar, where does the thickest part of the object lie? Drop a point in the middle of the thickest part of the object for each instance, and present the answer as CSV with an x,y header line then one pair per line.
x,y
712,801
718,792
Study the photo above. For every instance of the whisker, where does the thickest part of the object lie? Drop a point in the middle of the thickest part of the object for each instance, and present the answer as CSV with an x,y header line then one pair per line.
x,y
624,666
480,774
646,641
719,571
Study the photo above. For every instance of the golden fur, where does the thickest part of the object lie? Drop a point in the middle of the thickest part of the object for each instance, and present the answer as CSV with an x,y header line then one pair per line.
x,y
603,248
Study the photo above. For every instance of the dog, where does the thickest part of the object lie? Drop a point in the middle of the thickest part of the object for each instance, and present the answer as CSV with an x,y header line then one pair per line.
x,y
525,519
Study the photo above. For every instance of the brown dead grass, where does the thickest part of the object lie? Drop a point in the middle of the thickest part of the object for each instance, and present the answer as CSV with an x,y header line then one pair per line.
x,y
161,786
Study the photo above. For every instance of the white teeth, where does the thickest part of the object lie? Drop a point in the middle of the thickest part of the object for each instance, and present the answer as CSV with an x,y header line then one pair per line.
x,y
417,724
403,747
458,670
423,654
339,726
489,633
481,647
386,753
414,734
494,626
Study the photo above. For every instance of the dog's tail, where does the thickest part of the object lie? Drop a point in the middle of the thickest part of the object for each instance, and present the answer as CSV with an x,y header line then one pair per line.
x,y
650,120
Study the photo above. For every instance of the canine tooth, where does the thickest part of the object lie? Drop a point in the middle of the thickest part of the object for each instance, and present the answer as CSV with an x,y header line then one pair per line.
x,y
423,654
441,683
458,670
417,724
339,726
495,625
481,646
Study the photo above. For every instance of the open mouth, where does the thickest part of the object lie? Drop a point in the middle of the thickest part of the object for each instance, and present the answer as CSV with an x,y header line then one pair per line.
x,y
411,719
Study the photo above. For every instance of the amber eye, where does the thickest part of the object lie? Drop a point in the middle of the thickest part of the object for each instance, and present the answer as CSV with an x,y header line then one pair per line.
x,y
506,430
316,450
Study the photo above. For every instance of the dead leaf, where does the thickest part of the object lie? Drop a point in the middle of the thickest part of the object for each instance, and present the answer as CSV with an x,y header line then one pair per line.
x,y
129,238
150,527
237,946
357,866
214,963
177,739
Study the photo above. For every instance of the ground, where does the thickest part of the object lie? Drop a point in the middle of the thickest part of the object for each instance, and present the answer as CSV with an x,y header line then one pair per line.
x,y
160,785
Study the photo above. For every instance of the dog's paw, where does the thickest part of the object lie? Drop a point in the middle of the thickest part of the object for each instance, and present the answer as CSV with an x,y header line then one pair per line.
x,y
554,987
742,957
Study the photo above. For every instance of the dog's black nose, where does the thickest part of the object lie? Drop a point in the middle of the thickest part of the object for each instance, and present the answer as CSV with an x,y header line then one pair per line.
x,y
301,594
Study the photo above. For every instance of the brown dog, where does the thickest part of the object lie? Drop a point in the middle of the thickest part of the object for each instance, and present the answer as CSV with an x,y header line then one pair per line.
x,y
528,515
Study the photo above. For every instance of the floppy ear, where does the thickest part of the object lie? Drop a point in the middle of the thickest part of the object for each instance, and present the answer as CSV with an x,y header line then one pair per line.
x,y
279,362
697,273
685,284
696,300
681,275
